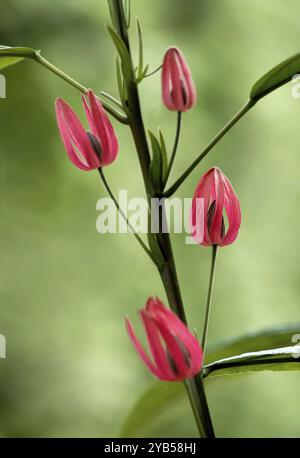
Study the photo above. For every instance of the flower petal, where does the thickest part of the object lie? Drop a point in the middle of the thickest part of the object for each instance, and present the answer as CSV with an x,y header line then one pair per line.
x,y
141,351
217,195
73,134
166,319
155,344
233,211
178,89
102,128
166,83
215,188
203,191
191,89
66,138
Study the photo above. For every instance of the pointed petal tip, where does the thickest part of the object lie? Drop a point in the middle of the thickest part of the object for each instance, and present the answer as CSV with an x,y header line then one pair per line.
x,y
58,103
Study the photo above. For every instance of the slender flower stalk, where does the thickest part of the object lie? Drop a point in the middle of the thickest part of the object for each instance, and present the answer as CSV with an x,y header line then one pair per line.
x,y
112,196
217,196
239,115
41,60
58,72
177,136
209,297
153,72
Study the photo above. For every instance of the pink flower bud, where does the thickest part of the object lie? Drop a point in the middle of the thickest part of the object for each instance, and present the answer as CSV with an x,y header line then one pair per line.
x,y
178,89
176,354
217,196
87,150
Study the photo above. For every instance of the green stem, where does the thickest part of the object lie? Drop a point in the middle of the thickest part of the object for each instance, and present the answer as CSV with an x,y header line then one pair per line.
x,y
195,386
153,72
203,412
177,135
41,60
168,270
250,103
135,118
209,296
190,389
111,195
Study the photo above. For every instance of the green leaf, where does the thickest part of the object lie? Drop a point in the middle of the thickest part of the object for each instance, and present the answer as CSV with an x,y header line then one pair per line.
x,y
120,81
112,99
141,52
156,166
158,397
266,339
127,9
276,77
123,53
278,359
162,395
145,70
154,246
7,61
10,56
112,13
164,155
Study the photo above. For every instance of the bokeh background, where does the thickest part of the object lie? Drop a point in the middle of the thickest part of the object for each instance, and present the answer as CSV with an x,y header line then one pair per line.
x,y
70,369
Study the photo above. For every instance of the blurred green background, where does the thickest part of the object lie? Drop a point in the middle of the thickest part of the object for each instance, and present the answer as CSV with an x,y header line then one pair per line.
x,y
70,369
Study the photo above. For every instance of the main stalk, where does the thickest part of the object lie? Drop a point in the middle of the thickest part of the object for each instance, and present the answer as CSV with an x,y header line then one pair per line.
x,y
167,269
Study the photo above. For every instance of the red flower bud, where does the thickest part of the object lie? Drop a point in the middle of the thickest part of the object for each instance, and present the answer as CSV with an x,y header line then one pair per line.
x,y
87,150
218,197
176,354
178,89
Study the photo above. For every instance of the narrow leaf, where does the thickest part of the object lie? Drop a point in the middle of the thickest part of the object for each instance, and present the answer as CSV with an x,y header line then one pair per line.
x,y
154,244
266,339
123,53
164,155
145,70
112,99
112,13
10,56
120,81
141,52
279,359
276,77
127,13
156,170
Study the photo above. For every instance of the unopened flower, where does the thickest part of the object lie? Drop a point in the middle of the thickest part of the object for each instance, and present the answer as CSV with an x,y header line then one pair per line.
x,y
176,353
219,203
91,149
178,89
